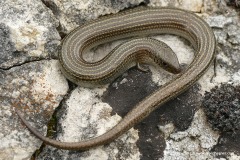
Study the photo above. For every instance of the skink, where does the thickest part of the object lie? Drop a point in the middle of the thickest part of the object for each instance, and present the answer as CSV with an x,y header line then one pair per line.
x,y
133,23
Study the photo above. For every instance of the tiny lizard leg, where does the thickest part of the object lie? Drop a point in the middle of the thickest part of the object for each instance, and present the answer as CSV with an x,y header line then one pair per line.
x,y
214,69
142,68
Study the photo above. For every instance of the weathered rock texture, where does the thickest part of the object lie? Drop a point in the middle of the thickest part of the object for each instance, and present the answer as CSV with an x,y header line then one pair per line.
x,y
28,31
36,89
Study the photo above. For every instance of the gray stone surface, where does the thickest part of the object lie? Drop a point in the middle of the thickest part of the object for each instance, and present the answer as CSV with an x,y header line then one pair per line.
x,y
195,5
193,143
30,32
84,116
72,13
6,45
36,89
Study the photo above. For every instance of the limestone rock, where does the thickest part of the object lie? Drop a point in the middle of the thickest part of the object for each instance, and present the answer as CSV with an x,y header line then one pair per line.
x,y
31,32
28,32
35,89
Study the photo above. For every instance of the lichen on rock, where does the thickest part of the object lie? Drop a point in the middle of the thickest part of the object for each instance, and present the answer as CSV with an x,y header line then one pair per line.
x,y
222,107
